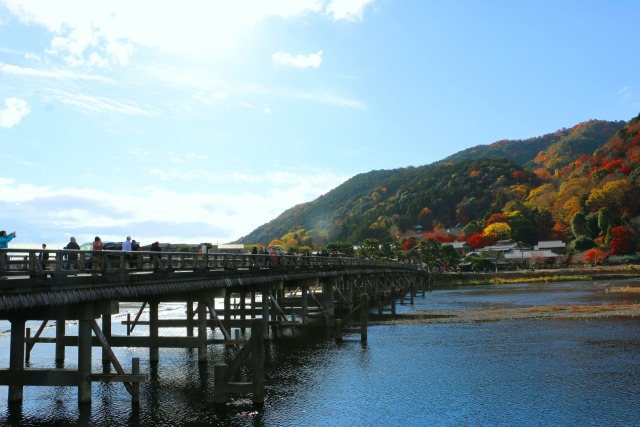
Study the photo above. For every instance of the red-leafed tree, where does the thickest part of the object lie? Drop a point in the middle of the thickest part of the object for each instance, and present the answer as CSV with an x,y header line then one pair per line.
x,y
622,241
594,256
476,241
442,238
409,243
480,240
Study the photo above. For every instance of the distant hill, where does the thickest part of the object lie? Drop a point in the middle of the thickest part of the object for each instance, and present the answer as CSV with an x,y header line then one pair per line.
x,y
530,186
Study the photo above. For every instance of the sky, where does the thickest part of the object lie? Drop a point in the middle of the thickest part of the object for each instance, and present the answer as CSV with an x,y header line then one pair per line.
x,y
199,121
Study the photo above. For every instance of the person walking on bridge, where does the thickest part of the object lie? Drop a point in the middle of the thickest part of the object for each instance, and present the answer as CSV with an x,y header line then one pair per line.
x,y
97,256
126,247
4,240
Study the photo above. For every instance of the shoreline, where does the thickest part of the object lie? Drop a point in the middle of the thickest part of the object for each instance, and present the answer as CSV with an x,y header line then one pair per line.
x,y
568,274
542,312
551,312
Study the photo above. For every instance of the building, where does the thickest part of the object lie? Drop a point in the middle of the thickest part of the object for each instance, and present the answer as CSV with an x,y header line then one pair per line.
x,y
555,246
463,248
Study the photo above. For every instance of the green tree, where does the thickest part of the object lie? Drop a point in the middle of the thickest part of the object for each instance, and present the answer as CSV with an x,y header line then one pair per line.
x,y
430,253
605,220
582,243
388,251
450,257
579,225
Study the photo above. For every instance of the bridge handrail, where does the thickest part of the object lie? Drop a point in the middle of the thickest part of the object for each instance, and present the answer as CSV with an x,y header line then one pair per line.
x,y
28,262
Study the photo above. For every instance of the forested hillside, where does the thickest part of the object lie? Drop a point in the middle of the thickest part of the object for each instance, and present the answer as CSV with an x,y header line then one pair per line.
x,y
552,150
580,185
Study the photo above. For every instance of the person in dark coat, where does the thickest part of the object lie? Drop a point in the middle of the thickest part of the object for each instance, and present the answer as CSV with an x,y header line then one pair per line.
x,y
135,247
72,257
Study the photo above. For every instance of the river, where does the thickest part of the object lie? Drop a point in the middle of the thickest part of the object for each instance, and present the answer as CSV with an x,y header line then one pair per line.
x,y
524,372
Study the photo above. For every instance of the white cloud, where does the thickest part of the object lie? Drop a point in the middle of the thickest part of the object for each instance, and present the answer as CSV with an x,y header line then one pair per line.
x,y
192,216
299,61
111,29
350,10
15,109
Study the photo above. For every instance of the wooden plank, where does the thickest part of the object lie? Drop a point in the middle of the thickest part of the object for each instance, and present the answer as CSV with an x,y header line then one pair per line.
x,y
289,323
226,342
120,378
40,377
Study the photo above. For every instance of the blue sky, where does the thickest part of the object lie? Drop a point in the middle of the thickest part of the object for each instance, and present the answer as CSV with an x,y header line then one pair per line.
x,y
199,121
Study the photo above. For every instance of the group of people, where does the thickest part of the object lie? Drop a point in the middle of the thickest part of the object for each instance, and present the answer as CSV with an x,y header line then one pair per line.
x,y
129,245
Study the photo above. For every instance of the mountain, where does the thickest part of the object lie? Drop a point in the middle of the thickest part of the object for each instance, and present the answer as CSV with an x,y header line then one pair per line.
x,y
534,187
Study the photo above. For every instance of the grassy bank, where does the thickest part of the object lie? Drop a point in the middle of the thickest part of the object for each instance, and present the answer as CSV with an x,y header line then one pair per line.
x,y
537,276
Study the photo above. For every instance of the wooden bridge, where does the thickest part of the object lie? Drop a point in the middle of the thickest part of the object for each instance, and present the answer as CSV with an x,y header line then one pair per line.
x,y
228,292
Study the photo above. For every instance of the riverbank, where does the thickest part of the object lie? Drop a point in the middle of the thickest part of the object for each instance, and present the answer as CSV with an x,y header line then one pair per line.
x,y
629,308
537,276
564,312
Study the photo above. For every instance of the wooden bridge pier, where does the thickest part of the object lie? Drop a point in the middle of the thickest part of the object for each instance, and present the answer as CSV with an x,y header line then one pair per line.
x,y
19,374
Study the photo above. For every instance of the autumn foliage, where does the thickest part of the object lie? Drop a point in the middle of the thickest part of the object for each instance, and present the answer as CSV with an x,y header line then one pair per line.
x,y
594,256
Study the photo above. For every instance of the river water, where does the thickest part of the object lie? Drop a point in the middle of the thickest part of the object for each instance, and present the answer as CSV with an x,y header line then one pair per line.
x,y
524,372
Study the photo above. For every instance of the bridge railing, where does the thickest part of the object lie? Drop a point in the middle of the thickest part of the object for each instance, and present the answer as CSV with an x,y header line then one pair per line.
x,y
65,262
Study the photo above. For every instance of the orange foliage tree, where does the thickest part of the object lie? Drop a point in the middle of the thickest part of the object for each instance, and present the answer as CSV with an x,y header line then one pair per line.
x,y
594,256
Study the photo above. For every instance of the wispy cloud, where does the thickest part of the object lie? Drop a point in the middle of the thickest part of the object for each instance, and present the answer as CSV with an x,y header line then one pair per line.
x,y
299,61
15,109
625,92
95,104
330,98
350,10
50,74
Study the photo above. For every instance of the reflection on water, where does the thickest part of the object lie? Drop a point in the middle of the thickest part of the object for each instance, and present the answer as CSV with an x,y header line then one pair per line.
x,y
552,372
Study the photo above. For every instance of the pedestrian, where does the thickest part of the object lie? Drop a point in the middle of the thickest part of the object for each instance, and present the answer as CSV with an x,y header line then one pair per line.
x,y
155,259
254,259
97,256
4,258
44,256
135,247
72,257
126,247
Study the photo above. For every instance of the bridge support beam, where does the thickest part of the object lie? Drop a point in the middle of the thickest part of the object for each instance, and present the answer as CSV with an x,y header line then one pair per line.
x,y
60,348
16,357
364,316
84,355
305,305
106,330
202,331
190,315
154,353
